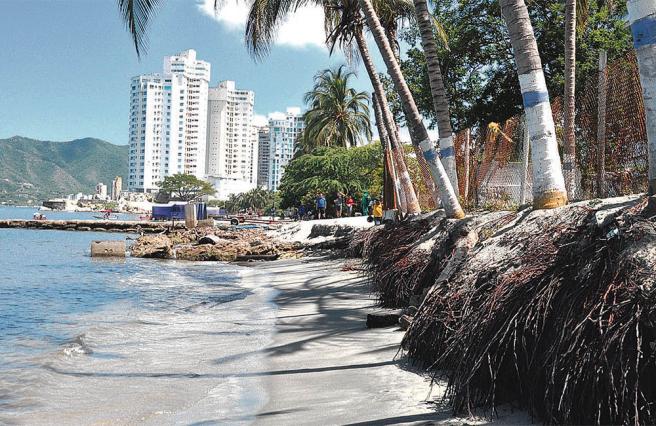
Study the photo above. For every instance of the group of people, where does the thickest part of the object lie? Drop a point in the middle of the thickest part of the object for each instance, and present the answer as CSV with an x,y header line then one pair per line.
x,y
344,205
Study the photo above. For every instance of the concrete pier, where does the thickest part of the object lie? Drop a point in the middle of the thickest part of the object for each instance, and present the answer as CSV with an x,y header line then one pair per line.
x,y
131,226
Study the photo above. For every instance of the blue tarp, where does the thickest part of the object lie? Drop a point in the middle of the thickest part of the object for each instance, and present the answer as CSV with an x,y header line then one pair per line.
x,y
169,212
201,211
177,212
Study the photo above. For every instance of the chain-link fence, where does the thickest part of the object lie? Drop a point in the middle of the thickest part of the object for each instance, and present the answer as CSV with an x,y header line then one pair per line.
x,y
493,176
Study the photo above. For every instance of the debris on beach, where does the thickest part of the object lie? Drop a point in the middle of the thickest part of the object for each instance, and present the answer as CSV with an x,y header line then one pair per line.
x,y
212,244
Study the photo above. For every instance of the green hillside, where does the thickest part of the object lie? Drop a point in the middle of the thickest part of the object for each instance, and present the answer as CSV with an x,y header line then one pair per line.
x,y
33,170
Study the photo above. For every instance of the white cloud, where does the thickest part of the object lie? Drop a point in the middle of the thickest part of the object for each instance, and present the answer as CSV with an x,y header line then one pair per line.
x,y
303,28
260,120
277,115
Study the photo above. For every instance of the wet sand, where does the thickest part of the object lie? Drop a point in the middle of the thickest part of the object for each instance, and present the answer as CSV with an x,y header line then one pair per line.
x,y
325,367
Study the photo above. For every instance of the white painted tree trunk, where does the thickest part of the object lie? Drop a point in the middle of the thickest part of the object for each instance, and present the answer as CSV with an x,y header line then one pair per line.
x,y
548,182
642,18
438,91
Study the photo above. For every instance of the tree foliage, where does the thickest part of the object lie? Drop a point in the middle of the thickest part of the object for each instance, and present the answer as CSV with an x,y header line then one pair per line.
x,y
479,69
331,170
337,114
185,187
257,199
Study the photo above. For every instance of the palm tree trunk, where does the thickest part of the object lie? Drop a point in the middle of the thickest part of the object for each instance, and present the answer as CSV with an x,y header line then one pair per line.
x,y
548,183
409,194
642,17
438,92
569,157
391,185
391,34
418,132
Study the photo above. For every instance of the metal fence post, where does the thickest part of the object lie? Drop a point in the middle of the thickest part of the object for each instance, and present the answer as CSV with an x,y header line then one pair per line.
x,y
601,125
525,156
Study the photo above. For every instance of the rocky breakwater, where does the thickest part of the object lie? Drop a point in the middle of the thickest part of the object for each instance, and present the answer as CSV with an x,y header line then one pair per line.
x,y
211,244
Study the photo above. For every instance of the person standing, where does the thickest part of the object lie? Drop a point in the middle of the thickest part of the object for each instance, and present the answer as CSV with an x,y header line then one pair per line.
x,y
350,202
377,212
339,202
364,204
321,206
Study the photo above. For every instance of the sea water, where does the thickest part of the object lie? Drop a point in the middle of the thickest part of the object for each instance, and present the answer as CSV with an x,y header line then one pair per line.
x,y
87,341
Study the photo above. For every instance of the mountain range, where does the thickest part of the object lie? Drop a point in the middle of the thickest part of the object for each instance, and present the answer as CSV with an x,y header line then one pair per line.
x,y
32,170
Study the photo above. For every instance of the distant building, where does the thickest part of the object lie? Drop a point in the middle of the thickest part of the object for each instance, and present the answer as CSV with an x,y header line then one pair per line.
x,y
232,142
117,187
284,130
168,122
263,156
101,191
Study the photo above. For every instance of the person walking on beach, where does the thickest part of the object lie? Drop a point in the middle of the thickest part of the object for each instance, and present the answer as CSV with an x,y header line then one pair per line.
x,y
364,204
301,212
321,206
339,202
349,205
377,212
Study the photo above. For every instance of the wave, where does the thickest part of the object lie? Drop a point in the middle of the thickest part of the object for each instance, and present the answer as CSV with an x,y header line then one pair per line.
x,y
76,347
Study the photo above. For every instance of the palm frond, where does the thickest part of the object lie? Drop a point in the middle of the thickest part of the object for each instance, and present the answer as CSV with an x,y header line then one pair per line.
x,y
441,32
136,15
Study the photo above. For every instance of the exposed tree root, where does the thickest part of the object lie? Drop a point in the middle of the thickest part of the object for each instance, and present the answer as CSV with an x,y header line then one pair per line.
x,y
554,309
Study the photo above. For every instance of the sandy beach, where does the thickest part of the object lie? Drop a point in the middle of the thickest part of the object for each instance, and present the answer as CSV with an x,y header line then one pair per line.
x,y
324,366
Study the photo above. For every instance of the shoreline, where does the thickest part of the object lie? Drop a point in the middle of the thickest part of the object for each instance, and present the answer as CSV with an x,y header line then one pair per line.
x,y
323,366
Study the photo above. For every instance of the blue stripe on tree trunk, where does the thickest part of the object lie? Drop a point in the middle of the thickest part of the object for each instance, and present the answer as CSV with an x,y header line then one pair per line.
x,y
644,31
532,99
429,155
447,152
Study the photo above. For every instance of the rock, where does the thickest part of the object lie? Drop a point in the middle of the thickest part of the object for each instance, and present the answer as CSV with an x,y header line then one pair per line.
x,y
108,249
153,246
83,228
405,321
209,239
382,320
250,257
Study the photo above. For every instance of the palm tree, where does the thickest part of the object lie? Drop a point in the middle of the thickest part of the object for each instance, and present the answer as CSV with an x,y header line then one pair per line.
x,y
642,17
418,132
438,92
548,183
344,24
338,115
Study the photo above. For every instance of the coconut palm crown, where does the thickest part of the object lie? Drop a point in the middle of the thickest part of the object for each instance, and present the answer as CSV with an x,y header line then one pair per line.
x,y
338,115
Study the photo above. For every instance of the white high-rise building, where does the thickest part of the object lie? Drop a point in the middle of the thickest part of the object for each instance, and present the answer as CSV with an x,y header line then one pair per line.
x,y
263,156
168,122
232,141
283,133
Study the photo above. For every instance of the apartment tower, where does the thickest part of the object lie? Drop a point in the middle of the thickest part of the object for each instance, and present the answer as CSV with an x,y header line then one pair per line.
x,y
168,122
263,156
284,130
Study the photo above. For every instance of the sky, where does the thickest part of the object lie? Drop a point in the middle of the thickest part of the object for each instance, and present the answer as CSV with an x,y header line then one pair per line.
x,y
68,63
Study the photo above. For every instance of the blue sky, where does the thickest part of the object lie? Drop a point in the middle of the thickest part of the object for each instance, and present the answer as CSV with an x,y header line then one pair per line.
x,y
68,63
